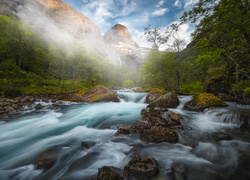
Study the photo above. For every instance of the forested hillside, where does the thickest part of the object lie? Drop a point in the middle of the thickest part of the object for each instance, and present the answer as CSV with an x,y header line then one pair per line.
x,y
30,64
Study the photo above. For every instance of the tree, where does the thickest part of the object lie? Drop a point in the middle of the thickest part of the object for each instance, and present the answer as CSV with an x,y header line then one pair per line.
x,y
155,36
225,27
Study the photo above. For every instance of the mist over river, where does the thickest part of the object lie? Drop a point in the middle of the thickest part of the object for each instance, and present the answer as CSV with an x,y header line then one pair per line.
x,y
211,146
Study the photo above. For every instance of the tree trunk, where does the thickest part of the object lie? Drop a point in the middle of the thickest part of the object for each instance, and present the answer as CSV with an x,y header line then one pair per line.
x,y
73,70
20,49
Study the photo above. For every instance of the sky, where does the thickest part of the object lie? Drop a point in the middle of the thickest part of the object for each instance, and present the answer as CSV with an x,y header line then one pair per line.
x,y
136,15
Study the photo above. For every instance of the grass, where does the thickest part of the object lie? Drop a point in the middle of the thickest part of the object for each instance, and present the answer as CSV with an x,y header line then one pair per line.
x,y
48,86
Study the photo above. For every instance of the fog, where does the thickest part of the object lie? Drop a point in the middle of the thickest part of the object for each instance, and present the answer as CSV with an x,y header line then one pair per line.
x,y
66,28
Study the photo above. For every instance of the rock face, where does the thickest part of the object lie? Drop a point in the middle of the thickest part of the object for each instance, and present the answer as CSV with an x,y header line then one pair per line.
x,y
130,54
110,173
142,168
218,85
155,94
202,101
95,94
169,100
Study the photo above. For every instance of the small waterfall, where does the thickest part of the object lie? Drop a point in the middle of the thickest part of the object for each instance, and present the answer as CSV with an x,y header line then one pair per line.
x,y
119,58
238,117
127,95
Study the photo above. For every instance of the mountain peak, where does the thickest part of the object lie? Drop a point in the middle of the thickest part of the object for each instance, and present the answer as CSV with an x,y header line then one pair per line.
x,y
119,34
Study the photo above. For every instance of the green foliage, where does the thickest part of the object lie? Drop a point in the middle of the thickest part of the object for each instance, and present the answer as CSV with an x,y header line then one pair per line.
x,y
192,88
128,83
247,91
241,86
223,35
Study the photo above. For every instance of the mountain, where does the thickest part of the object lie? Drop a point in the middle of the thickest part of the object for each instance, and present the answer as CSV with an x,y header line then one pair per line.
x,y
58,22
130,53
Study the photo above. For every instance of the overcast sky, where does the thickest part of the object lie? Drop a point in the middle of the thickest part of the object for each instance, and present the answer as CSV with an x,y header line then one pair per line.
x,y
136,15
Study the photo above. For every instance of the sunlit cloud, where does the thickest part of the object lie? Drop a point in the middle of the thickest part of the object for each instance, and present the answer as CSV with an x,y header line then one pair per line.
x,y
160,3
190,3
160,12
178,3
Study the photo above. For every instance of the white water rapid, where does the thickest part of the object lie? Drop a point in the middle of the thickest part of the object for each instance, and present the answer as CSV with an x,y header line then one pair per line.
x,y
210,147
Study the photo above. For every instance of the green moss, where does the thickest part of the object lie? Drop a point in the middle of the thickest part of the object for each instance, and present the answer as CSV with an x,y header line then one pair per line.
x,y
157,90
207,100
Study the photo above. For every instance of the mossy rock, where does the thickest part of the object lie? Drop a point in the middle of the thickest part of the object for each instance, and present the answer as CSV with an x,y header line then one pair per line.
x,y
158,134
217,85
155,94
169,100
141,168
203,101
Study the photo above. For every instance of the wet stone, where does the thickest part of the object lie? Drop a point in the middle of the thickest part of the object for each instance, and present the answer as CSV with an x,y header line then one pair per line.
x,y
142,168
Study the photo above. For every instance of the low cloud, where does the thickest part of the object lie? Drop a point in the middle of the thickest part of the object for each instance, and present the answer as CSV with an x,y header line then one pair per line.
x,y
160,12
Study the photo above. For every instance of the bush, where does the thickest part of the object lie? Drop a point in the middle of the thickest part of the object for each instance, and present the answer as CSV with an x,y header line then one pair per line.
x,y
192,88
128,83
241,86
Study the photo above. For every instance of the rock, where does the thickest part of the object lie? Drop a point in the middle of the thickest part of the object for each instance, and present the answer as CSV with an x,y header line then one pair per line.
x,y
110,173
155,94
142,168
156,110
47,159
10,109
121,131
140,90
46,100
173,119
39,106
58,103
84,144
158,134
153,127
14,106
169,100
148,121
217,85
202,101
11,101
95,94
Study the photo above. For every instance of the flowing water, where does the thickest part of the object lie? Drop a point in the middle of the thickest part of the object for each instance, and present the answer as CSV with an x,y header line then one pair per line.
x,y
211,147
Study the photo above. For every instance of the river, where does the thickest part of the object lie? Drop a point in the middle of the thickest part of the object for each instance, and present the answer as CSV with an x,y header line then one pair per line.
x,y
210,147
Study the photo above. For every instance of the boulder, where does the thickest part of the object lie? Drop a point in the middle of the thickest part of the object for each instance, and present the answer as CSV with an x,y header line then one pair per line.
x,y
95,94
169,100
39,106
155,110
47,159
84,144
202,101
154,94
158,134
121,131
173,119
110,173
148,121
153,127
141,168
217,85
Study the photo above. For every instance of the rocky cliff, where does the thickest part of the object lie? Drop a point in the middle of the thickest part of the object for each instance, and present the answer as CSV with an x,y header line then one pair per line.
x,y
130,54
58,22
